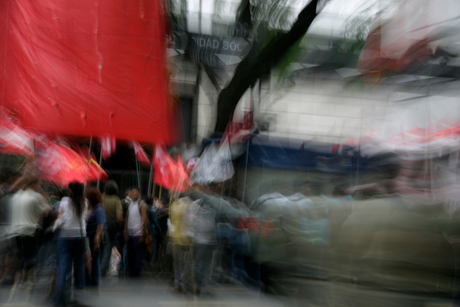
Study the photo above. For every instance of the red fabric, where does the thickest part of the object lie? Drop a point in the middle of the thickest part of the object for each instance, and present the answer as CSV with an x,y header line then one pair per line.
x,y
237,132
191,164
87,67
62,165
164,167
14,139
182,180
249,222
108,147
168,173
141,156
376,60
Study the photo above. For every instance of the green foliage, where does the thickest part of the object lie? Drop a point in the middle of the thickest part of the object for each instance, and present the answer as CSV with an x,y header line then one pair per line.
x,y
284,66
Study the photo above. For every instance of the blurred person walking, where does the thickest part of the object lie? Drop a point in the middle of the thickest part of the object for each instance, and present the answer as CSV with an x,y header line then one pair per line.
x,y
135,230
95,232
114,220
181,240
28,207
154,231
71,248
121,241
7,178
202,224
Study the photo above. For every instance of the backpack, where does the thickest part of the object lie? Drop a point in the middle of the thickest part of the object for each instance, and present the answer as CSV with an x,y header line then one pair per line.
x,y
154,226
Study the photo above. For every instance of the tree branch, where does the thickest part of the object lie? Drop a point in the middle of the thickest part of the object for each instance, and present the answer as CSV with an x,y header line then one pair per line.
x,y
212,77
255,66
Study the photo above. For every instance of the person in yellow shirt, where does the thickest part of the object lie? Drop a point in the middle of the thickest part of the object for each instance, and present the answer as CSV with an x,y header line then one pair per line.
x,y
181,244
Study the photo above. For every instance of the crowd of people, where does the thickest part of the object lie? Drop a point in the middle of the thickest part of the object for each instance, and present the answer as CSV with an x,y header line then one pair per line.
x,y
89,235
366,234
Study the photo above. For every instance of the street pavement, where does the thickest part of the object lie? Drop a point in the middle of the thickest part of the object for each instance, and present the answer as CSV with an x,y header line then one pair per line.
x,y
151,292
156,292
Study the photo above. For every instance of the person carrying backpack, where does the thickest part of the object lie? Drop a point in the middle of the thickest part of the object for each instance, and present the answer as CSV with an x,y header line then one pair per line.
x,y
136,229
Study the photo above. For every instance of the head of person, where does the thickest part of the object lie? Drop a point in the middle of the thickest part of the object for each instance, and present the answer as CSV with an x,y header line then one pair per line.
x,y
76,190
149,201
27,182
64,193
111,188
94,197
135,194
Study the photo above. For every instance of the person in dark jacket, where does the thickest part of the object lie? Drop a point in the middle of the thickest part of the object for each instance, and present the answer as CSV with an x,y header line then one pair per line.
x,y
95,232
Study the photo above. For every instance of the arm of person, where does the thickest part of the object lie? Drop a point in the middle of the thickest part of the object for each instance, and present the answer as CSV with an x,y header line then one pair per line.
x,y
58,221
145,220
125,232
100,227
98,236
119,212
219,205
43,206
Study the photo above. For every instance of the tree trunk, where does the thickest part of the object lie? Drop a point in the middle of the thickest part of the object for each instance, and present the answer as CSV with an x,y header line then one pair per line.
x,y
255,66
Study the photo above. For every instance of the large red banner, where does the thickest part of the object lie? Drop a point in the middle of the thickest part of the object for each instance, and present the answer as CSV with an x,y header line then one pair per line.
x,y
87,67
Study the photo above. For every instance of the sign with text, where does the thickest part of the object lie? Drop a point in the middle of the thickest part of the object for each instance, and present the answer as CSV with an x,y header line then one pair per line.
x,y
210,50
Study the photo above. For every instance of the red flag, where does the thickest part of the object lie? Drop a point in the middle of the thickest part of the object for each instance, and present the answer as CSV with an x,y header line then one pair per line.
x,y
108,147
61,164
14,139
248,121
49,161
141,156
191,164
164,167
231,129
237,132
93,170
92,167
182,180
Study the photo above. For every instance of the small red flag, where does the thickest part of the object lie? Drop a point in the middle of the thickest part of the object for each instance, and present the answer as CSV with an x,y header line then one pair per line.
x,y
141,156
182,180
164,167
108,147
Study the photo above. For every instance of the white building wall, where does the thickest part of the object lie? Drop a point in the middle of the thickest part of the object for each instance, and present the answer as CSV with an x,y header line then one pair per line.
x,y
321,108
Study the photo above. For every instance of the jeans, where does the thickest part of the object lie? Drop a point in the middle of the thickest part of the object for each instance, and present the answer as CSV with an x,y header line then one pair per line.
x,y
27,251
247,270
93,278
227,261
182,266
109,242
202,261
152,257
134,255
69,251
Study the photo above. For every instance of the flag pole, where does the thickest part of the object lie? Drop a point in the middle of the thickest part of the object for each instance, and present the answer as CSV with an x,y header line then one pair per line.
x,y
150,178
138,175
100,167
247,148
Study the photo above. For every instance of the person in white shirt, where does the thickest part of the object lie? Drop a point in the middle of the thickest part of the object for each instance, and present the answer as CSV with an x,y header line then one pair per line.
x,y
28,206
70,247
135,230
